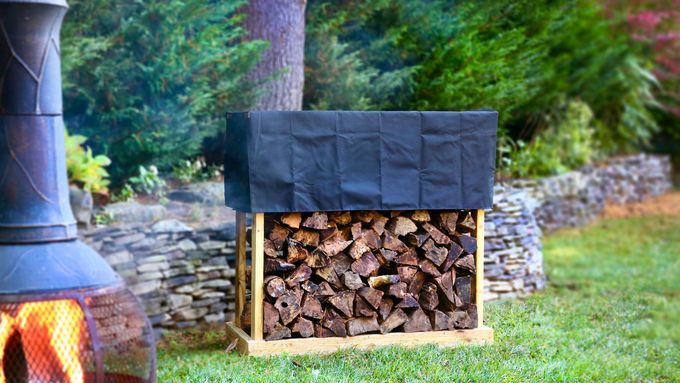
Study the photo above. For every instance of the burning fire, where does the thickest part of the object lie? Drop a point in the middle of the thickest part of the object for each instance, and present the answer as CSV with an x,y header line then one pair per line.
x,y
51,334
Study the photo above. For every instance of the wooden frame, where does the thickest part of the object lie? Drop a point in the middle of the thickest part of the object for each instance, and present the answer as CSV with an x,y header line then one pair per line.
x,y
254,344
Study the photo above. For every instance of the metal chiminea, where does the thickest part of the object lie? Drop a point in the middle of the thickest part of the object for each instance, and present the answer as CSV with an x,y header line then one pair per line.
x,y
65,315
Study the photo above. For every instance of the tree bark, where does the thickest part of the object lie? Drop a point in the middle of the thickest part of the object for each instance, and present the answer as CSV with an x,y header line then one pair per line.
x,y
282,24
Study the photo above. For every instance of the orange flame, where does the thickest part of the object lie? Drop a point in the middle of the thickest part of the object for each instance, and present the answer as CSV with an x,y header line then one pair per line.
x,y
51,334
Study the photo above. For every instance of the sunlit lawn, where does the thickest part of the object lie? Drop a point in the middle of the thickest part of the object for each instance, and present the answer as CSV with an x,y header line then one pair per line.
x,y
611,313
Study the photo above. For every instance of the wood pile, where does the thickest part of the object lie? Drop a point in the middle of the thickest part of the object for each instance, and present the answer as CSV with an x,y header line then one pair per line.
x,y
351,273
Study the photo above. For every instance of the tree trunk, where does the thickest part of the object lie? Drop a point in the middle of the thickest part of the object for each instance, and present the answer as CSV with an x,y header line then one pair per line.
x,y
282,23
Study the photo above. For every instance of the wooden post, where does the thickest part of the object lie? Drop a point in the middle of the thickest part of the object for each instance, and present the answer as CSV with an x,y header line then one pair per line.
x,y
479,264
240,266
257,277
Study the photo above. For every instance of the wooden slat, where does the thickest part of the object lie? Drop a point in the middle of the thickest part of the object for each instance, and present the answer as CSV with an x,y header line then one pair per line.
x,y
479,277
248,346
240,266
257,277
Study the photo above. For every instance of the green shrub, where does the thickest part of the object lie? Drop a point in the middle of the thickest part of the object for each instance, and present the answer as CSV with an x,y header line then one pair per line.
x,y
147,81
148,181
85,169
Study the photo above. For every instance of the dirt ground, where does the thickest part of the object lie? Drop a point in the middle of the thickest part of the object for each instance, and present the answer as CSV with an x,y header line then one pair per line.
x,y
667,204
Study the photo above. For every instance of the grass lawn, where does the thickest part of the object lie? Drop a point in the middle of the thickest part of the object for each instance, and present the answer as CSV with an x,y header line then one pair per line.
x,y
611,313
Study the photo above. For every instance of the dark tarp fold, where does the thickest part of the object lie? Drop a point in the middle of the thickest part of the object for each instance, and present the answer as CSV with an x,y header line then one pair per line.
x,y
332,161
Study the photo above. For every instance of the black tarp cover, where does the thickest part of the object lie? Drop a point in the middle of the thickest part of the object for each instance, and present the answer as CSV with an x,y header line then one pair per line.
x,y
341,160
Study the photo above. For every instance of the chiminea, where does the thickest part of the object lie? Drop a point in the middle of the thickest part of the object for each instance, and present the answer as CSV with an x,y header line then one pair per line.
x,y
65,315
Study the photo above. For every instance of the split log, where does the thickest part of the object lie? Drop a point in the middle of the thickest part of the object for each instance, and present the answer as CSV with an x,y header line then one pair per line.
x,y
304,327
451,257
386,256
341,263
371,238
435,253
275,265
468,243
395,213
307,237
463,289
362,325
467,224
391,242
445,287
311,307
398,290
421,216
429,268
343,302
394,320
379,222
325,290
270,248
440,321
438,237
278,333
335,323
334,245
299,275
408,302
278,235
461,320
385,308
417,239
406,273
472,313
352,280
467,263
366,266
310,287
274,286
271,317
429,299
358,248
371,295
417,321
362,308
331,231
322,332
329,275
288,306
355,230
447,221
365,216
383,280
401,226
416,283
317,220
291,220
409,257
340,217
296,251
317,259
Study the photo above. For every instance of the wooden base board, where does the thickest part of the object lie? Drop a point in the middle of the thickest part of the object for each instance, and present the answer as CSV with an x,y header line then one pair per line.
x,y
247,346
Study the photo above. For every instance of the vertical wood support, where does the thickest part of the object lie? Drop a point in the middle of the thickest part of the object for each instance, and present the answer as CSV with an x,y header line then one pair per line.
x,y
240,266
257,277
479,264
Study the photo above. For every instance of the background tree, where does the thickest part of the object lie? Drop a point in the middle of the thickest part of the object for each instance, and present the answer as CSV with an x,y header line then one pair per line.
x,y
282,24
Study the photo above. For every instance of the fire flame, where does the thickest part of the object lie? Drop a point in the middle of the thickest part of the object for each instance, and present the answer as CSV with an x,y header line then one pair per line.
x,y
51,333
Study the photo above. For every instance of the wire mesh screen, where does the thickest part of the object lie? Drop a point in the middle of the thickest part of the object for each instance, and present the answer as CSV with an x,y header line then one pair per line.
x,y
76,337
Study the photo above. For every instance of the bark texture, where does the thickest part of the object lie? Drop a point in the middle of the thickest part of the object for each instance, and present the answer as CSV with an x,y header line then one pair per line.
x,y
282,23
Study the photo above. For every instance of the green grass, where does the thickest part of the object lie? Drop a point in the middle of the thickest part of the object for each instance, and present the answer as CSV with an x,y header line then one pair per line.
x,y
611,313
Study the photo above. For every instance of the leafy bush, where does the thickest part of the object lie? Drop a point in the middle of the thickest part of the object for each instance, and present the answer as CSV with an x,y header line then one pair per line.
x,y
148,181
85,169
147,81
195,171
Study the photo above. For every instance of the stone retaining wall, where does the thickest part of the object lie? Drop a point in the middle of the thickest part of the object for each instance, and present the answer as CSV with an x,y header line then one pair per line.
x,y
185,277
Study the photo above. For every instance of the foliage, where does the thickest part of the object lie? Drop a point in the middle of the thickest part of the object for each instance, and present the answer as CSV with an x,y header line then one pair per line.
x,y
566,143
609,303
148,181
125,194
84,168
195,171
147,81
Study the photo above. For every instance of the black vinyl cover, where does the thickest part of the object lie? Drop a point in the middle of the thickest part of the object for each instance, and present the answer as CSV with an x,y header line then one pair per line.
x,y
341,160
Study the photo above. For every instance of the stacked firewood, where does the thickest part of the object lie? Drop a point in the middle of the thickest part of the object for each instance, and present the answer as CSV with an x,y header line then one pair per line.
x,y
350,273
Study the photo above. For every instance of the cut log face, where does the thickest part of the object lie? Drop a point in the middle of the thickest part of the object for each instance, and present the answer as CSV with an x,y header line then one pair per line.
x,y
274,286
401,226
317,220
347,274
292,220
366,266
395,319
362,325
